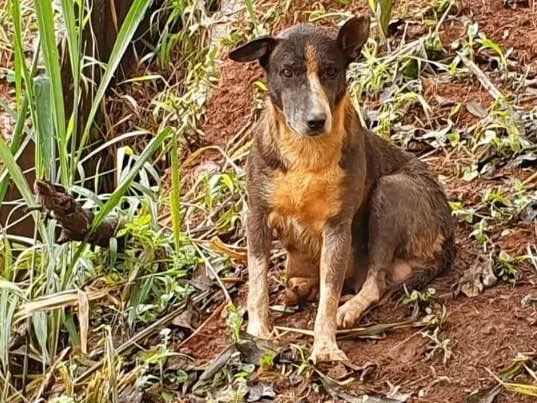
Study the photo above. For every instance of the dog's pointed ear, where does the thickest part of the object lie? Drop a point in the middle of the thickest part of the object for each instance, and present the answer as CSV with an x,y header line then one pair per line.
x,y
257,49
352,36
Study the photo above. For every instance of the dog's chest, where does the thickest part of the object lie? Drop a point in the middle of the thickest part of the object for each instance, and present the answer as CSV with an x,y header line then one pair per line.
x,y
305,198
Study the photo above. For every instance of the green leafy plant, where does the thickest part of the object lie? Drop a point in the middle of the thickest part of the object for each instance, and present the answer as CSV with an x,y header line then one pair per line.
x,y
382,10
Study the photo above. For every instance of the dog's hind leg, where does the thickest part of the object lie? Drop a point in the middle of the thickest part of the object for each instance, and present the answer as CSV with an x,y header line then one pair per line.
x,y
302,263
406,240
372,290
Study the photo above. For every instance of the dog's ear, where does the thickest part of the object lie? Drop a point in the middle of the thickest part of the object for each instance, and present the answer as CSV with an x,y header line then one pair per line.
x,y
257,49
352,36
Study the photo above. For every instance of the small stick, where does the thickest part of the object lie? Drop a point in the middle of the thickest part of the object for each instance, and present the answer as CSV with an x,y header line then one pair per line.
x,y
195,332
295,330
529,178
358,331
215,274
46,381
482,78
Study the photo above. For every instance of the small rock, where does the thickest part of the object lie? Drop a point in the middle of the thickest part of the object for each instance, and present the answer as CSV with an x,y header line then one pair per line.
x,y
528,300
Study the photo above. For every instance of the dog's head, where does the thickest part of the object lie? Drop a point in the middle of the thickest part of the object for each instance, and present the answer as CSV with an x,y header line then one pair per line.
x,y
305,68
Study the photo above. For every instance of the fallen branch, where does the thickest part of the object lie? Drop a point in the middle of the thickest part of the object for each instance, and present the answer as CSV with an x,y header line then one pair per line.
x,y
74,220
373,330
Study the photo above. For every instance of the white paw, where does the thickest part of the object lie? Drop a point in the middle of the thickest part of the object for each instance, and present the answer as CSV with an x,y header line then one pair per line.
x,y
348,314
324,351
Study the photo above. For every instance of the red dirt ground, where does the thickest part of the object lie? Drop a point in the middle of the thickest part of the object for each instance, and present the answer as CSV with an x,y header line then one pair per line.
x,y
487,331
225,119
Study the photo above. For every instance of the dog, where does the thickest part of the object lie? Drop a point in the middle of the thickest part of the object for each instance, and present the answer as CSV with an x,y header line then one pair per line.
x,y
349,207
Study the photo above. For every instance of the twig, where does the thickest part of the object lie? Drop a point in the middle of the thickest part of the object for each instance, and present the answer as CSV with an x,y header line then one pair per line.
x,y
482,77
359,331
46,381
529,178
200,327
215,274
295,330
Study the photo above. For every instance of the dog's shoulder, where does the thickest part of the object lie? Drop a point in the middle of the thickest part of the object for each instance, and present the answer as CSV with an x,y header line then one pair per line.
x,y
264,157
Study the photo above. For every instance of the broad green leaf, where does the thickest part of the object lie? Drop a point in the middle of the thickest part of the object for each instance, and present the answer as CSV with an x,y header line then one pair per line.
x,y
44,128
382,9
46,25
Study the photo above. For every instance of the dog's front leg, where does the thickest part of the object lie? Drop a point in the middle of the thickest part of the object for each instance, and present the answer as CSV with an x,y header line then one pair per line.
x,y
258,239
334,261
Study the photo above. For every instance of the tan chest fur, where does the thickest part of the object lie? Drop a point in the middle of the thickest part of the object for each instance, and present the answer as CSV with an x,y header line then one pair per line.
x,y
310,192
308,198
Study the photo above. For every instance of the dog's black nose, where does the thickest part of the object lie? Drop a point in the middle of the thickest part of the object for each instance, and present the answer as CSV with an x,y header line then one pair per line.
x,y
316,123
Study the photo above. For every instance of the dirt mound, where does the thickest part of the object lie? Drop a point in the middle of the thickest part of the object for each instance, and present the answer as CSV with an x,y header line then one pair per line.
x,y
231,105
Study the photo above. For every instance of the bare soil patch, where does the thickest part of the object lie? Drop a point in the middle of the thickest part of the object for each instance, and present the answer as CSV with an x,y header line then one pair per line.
x,y
231,105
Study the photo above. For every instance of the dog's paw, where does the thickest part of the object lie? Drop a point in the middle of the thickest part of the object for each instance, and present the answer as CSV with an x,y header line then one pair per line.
x,y
300,289
258,329
348,314
326,351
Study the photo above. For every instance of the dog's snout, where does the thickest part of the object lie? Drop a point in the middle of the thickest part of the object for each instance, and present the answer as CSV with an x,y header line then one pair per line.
x,y
317,123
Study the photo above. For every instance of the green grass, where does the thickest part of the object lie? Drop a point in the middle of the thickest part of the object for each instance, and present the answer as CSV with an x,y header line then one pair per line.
x,y
38,279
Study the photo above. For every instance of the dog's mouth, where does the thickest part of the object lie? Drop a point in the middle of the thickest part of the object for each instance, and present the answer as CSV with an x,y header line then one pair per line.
x,y
305,131
315,133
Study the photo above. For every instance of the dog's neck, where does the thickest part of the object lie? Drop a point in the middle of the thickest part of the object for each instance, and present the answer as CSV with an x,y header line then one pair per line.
x,y
309,154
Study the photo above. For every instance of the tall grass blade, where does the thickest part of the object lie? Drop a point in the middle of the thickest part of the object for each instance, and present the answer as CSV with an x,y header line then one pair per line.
x,y
44,129
128,28
46,26
8,304
73,30
20,181
39,321
175,194
22,71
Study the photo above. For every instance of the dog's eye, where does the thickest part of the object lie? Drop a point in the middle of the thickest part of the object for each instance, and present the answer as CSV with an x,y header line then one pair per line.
x,y
286,72
330,72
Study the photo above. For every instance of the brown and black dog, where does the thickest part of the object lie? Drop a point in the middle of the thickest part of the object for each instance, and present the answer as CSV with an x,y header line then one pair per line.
x,y
348,206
